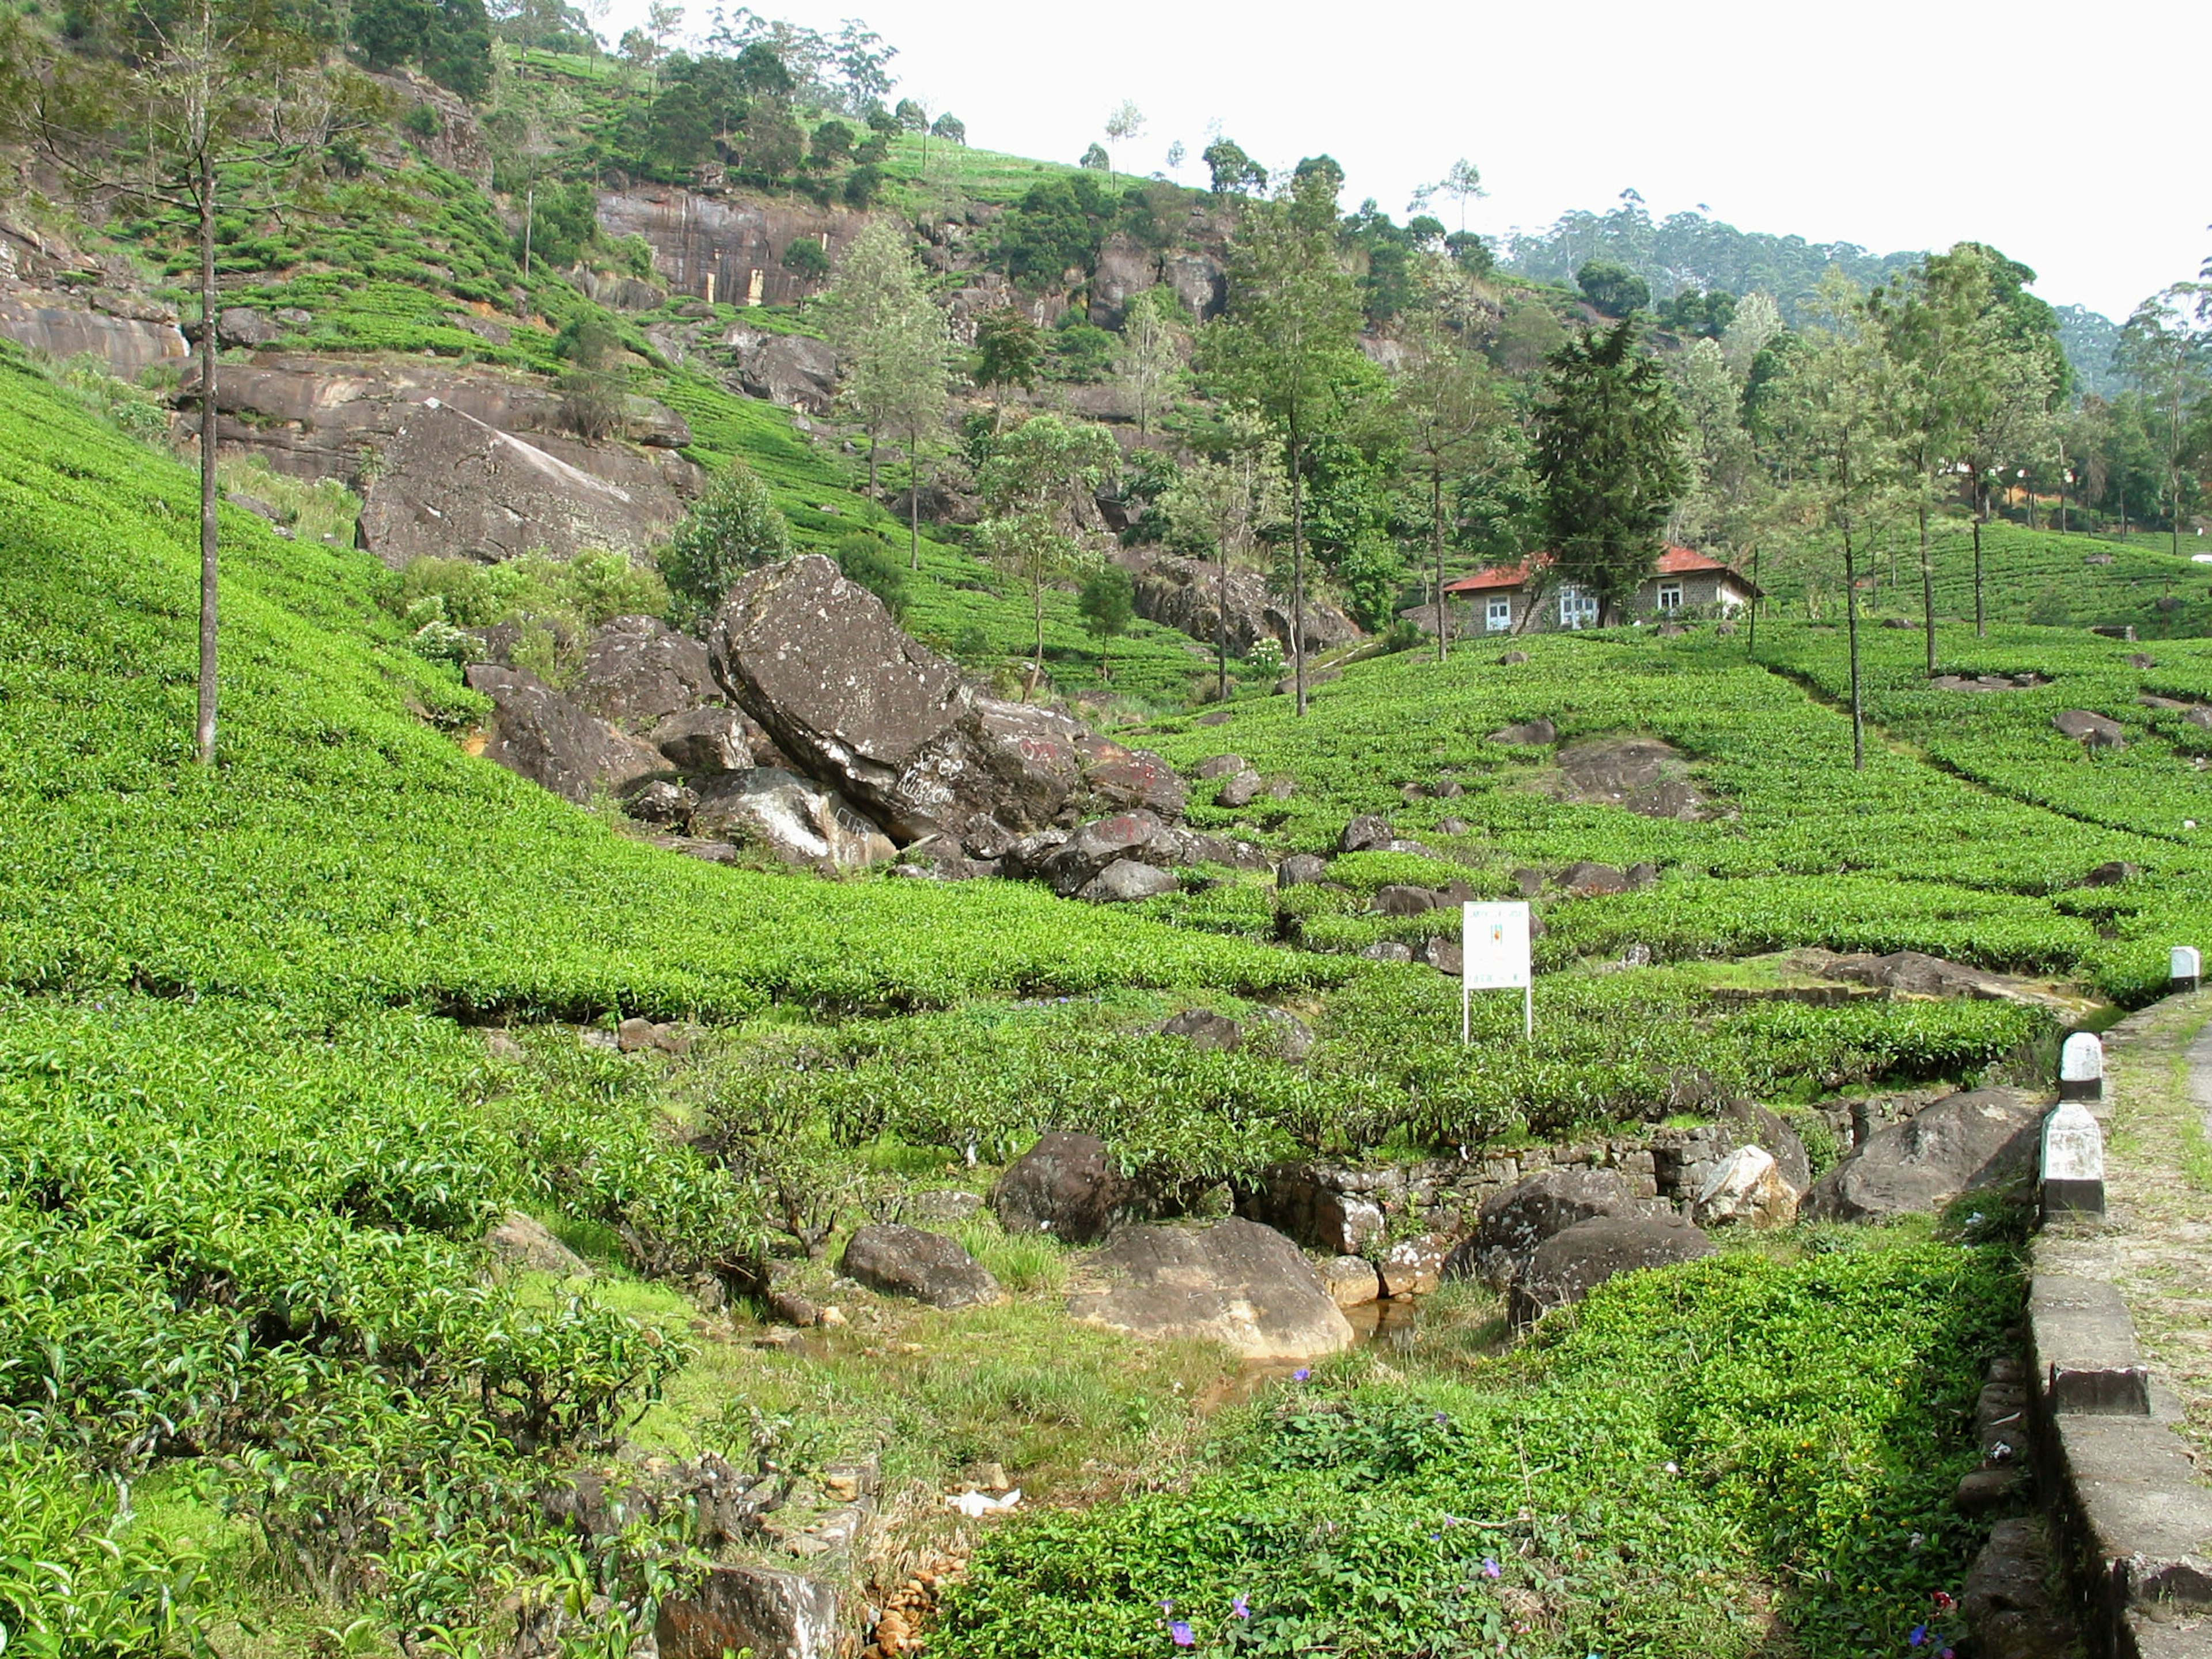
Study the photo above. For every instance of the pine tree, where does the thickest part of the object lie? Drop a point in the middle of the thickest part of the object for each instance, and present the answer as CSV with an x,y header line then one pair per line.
x,y
1609,456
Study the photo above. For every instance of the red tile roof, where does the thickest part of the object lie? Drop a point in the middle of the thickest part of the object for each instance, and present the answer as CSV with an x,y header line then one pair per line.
x,y
1505,578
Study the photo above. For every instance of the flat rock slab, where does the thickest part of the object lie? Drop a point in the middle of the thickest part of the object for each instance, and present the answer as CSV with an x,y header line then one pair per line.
x,y
1975,1139
1236,1283
2130,1481
1640,774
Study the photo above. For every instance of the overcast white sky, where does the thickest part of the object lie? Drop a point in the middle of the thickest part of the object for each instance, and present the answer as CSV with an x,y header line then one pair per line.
x,y
2073,138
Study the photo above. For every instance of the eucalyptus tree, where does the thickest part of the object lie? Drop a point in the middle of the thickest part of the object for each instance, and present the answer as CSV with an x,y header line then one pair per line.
x,y
1288,345
1450,407
1222,499
889,336
1034,484
1154,338
2166,350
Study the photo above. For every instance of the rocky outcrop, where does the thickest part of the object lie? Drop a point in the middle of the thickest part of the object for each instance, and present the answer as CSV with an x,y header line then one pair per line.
x,y
1748,1189
737,239
856,702
798,820
1977,1138
794,371
539,734
451,486
1126,881
638,671
2091,731
456,142
749,1609
1186,593
128,335
1236,1282
1510,1226
1067,1185
705,740
1574,1261
929,1267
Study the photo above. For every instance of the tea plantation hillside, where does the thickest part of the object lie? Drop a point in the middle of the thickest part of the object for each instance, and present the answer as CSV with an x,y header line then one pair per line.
x,y
263,1394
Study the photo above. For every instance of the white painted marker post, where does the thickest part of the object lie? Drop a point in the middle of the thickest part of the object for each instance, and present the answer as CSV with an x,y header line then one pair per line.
x,y
1494,957
2073,1162
2187,970
2082,1067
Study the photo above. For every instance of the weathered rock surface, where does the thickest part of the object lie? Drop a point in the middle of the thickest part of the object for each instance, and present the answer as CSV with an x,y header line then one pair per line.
x,y
800,821
1979,1137
1187,594
792,370
1912,973
1748,1189
1536,734
1241,789
741,1609
1218,766
1413,1266
453,487
899,1260
637,671
518,1240
704,740
2091,731
733,238
1350,1281
1571,1263
1067,1185
856,702
539,734
660,802
455,141
1592,880
1127,881
1299,869
1366,834
1297,1201
1510,1225
1641,775
1234,1282
1204,1029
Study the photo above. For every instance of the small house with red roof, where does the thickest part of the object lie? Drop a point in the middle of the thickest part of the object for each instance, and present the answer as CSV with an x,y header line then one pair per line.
x,y
1502,596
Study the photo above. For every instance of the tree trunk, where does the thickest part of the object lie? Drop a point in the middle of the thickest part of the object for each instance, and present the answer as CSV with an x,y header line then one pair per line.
x,y
1981,629
1852,611
529,223
208,534
1036,662
1298,574
1437,545
872,464
1751,644
1926,591
913,499
1221,622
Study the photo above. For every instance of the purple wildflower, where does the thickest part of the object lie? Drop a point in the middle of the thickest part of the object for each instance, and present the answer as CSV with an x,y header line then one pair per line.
x,y
1919,1635
1180,1632
1241,1608
1301,1375
1490,1567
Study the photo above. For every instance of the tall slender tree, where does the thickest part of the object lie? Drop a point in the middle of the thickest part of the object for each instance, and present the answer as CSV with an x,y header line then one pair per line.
x,y
1451,409
191,109
1221,501
1609,455
2166,349
1154,336
1287,345
1033,483
868,316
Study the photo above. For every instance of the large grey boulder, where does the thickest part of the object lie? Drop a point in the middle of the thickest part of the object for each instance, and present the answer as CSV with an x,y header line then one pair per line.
x,y
749,1609
1126,881
638,671
1574,1261
898,1260
797,819
1086,855
1067,1185
2091,731
450,485
536,733
790,370
856,702
1530,734
1513,1223
704,740
1234,1282
1962,1143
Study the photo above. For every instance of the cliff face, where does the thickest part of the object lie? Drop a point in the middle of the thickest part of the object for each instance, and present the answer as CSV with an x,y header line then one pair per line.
x,y
738,240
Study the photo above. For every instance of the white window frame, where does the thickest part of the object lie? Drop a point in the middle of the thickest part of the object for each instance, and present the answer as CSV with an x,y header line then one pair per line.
x,y
1577,609
1497,614
1670,596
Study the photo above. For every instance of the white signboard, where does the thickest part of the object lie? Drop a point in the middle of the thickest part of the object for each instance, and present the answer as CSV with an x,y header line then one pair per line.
x,y
1494,957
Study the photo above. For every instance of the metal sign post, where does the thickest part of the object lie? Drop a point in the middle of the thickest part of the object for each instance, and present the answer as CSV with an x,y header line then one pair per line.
x,y
1494,957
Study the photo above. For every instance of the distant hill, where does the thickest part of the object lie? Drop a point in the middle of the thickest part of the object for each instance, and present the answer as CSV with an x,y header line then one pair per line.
x,y
1690,250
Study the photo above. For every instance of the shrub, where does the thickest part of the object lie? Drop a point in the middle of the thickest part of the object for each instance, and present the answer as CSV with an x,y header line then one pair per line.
x,y
875,567
734,527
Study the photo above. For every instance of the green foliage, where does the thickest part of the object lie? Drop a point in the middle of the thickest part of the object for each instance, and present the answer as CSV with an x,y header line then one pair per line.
x,y
1009,349
733,528
1608,453
449,39
1611,1489
1612,288
867,560
1057,227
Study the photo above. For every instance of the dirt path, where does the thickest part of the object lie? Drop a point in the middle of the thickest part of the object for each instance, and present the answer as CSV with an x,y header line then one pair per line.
x,y
2156,1244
